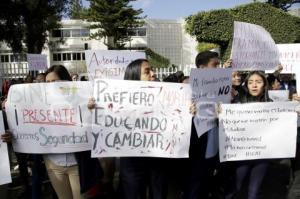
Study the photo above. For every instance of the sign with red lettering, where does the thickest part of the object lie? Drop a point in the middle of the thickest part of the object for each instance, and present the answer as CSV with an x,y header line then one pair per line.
x,y
253,48
49,117
109,64
37,62
136,118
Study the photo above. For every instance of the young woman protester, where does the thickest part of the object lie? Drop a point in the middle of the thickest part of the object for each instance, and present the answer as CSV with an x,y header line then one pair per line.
x,y
71,174
256,90
137,174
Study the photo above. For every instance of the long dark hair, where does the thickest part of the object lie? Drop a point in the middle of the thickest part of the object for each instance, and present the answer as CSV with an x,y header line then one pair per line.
x,y
133,70
264,97
60,71
271,80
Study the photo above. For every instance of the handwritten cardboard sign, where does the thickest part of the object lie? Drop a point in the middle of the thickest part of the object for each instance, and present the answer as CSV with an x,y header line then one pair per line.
x,y
4,161
209,86
136,118
109,64
50,117
253,48
37,62
257,131
289,56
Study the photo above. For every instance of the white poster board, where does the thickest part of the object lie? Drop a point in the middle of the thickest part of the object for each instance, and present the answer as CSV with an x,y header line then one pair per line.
x,y
50,117
109,64
289,56
5,176
253,48
136,118
37,62
257,131
209,86
279,95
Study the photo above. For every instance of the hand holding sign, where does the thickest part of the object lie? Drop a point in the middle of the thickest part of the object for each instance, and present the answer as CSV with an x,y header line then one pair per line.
x,y
210,86
50,117
6,137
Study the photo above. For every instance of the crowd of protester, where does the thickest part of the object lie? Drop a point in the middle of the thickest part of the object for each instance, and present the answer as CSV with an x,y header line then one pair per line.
x,y
200,176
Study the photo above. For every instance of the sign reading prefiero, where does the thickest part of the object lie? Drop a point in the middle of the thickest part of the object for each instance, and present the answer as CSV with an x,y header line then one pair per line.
x,y
4,161
37,62
253,48
49,117
109,64
136,118
209,86
257,131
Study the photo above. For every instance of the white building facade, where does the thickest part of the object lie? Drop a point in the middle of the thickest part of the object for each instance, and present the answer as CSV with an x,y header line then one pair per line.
x,y
66,46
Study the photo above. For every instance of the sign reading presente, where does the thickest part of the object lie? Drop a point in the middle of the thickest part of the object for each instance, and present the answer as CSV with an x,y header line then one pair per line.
x,y
49,117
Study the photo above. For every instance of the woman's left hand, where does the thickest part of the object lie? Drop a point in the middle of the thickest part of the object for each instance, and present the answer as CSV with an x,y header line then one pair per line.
x,y
295,97
6,137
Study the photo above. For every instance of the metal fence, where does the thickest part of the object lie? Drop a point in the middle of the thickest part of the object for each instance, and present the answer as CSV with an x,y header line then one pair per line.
x,y
161,73
13,70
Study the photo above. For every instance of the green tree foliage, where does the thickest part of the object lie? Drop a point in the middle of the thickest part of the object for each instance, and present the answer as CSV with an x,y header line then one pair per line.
x,y
76,9
206,46
113,19
217,26
156,60
28,21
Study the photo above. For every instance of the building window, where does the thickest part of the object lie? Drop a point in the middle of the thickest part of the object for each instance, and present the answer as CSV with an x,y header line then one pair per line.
x,y
75,32
4,58
85,32
71,33
76,56
66,56
56,57
56,33
131,32
142,32
18,58
66,33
